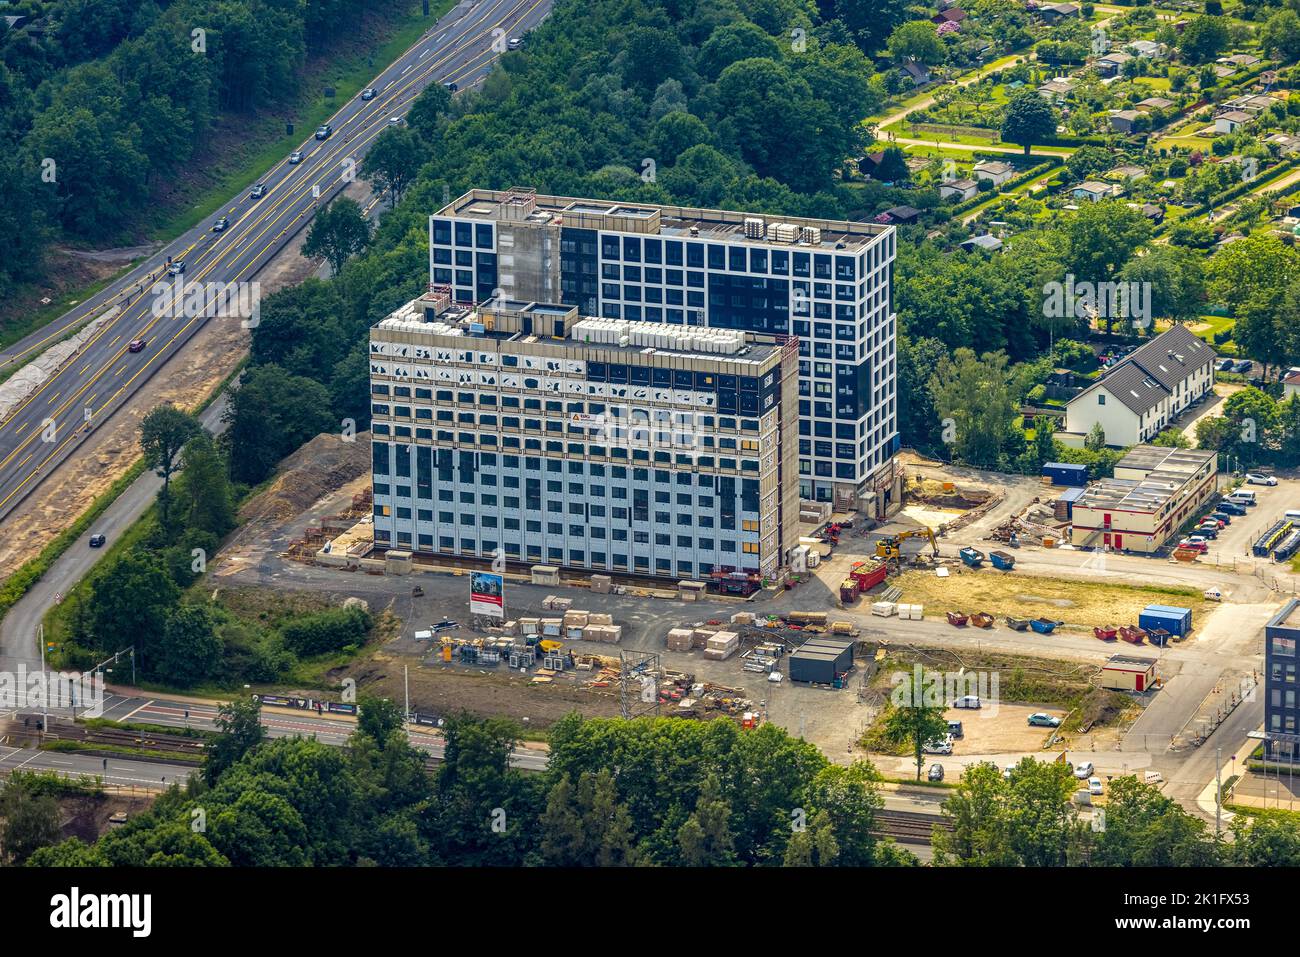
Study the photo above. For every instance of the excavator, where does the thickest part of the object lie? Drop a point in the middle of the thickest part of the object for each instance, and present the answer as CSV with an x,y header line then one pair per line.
x,y
890,547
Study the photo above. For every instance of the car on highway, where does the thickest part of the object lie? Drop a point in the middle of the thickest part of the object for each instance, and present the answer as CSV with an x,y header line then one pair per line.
x,y
1083,770
136,345
395,121
324,131
514,43
369,93
935,773
1094,786
258,191
968,701
220,225
295,157
1257,478
450,87
97,541
177,268
1041,719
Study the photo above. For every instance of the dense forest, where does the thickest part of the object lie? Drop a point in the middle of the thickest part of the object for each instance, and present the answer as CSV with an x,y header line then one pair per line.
x,y
102,99
647,792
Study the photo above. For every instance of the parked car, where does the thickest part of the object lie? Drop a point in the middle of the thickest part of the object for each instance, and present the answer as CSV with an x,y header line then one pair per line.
x,y
1256,478
451,87
258,191
968,701
1242,365
295,157
1008,771
1208,530
936,772
1232,508
97,541
1094,786
368,93
1243,497
136,345
939,746
1224,365
220,225
324,131
1043,720
955,729
1223,518
1195,543
1083,770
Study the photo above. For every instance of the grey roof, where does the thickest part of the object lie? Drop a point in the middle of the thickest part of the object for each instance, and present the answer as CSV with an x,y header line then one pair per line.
x,y
1153,371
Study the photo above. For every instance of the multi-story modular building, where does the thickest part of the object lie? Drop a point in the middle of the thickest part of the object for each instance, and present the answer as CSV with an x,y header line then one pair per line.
x,y
828,283
1281,709
527,431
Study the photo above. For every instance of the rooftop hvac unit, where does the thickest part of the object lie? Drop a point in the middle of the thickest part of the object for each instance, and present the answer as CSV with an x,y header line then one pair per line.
x,y
811,235
753,227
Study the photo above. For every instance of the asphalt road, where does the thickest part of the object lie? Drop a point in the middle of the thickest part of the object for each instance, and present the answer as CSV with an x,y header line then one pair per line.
x,y
53,421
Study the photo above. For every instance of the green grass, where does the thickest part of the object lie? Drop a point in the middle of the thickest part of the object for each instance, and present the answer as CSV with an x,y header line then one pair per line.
x,y
11,330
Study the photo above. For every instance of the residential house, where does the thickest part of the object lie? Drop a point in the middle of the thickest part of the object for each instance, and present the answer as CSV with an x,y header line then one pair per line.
x,y
950,15
1112,63
1287,143
1243,60
918,72
1152,212
1056,12
1252,103
1095,192
1124,121
995,171
1291,385
1146,48
903,215
1147,390
1056,90
985,242
1153,103
959,190
1230,121
1126,173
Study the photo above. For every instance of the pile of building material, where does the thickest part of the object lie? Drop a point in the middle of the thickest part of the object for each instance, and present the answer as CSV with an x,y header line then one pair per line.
x,y
600,584
610,634
884,609
554,603
910,612
681,639
722,646
814,513
743,618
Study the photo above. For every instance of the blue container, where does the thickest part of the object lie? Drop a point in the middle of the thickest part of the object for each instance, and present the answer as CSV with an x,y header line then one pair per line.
x,y
1176,621
1064,473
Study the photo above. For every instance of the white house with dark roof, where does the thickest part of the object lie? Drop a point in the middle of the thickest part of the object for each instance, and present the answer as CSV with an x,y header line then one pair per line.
x,y
1142,394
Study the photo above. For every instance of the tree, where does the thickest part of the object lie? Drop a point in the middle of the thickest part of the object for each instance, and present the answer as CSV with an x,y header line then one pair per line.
x,y
188,651
163,433
1029,119
391,164
705,839
914,719
379,719
29,819
972,392
1095,440
1144,828
1101,237
1265,841
241,732
270,415
337,233
893,166
1280,35
918,41
130,600
1203,39
204,499
1175,277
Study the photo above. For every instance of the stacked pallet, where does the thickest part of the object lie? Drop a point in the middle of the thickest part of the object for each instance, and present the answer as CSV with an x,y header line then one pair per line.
x,y
611,634
681,639
722,646
555,603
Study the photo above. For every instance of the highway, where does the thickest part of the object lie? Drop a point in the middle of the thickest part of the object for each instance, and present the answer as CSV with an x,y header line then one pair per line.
x,y
52,422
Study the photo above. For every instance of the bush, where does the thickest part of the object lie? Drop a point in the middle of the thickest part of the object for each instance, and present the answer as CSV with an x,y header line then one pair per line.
x,y
326,631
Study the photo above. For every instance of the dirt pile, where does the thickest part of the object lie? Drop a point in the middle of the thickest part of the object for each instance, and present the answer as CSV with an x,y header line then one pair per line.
x,y
320,467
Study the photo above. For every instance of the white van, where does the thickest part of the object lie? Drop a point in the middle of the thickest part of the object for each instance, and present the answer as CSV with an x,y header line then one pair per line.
x,y
1242,497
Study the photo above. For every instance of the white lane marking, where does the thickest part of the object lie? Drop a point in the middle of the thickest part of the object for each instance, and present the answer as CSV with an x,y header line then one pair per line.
x,y
138,710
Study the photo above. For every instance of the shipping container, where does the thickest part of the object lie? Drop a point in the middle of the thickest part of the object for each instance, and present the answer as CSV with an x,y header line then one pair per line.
x,y
1177,621
1064,473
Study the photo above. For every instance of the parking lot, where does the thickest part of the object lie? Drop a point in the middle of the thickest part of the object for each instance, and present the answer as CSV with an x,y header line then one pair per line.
x,y
1235,540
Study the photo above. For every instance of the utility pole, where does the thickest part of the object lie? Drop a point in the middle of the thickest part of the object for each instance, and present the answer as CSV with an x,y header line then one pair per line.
x,y
45,697
406,681
1218,791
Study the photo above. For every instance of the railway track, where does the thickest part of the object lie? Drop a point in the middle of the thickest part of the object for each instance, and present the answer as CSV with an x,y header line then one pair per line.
x,y
908,827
